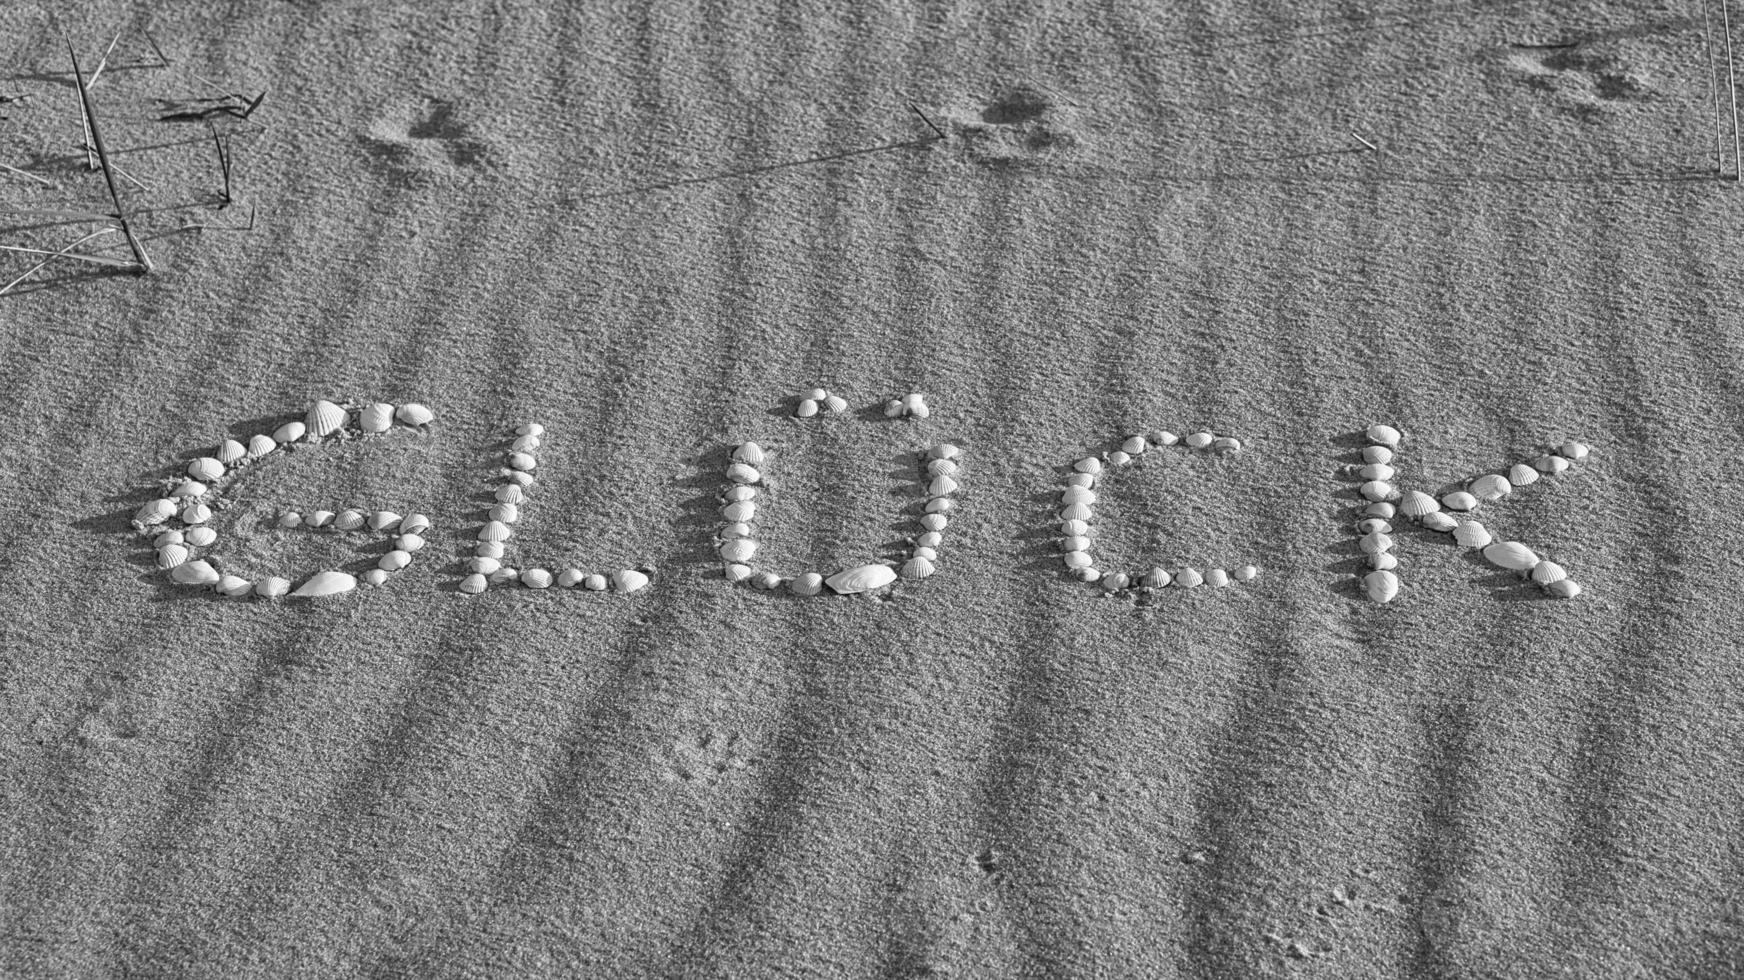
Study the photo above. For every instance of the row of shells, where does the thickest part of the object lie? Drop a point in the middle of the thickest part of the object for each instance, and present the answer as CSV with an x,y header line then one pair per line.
x,y
1076,515
1385,502
738,542
486,567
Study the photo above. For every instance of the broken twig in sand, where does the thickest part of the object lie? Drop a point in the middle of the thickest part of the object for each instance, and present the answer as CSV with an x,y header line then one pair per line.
x,y
103,62
1356,136
65,253
25,173
103,159
223,161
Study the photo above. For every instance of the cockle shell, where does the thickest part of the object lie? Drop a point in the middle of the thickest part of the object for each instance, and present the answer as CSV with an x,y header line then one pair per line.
x,y
374,576
319,518
743,473
1246,573
260,445
1189,578
1440,521
272,587
522,461
739,530
1119,458
1381,585
171,555
1086,574
893,408
1116,581
1490,487
1075,512
916,406
376,417
1164,437
1077,542
474,584
1226,444
189,488
507,513
863,578
737,573
488,549
394,560
1380,509
739,511
231,452
194,573
1156,578
1376,471
595,583
324,419
1199,440
485,564
530,429
1459,500
1546,572
205,469
1078,495
503,576
495,531
1550,464
944,450
931,539
409,543
1566,588
508,493
738,550
201,537
941,486
1374,544
1511,555
917,567
570,578
628,580
168,537
290,519
941,467
835,404
806,583
1088,464
1471,534
1374,525
1384,561
1573,451
748,453
414,414
1217,578
519,479
1134,445
1417,504
286,434
349,520
1074,528
1085,480
925,552
414,524
1077,559
765,581
807,408
1378,490
1377,454
737,493
525,444
1521,475
536,578
154,512
1384,435
235,587
196,514
330,582
383,520
934,522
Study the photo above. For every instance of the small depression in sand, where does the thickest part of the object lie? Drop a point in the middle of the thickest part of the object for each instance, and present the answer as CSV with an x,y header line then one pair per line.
x,y
425,140
1015,126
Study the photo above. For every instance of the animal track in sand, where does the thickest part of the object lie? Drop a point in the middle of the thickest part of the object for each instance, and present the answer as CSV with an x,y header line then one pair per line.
x,y
425,140
706,758
1584,81
1019,124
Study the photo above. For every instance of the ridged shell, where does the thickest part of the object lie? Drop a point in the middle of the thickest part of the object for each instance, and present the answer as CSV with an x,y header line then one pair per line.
x,y
807,408
738,551
1550,464
508,493
1374,525
570,578
171,555
530,429
1078,495
235,586
330,582
743,473
934,522
349,520
324,419
288,433
863,578
1459,500
1134,445
507,513
206,469
596,582
1521,475
409,543
485,564
1072,529
155,512
414,524
1217,578
1377,454
194,573
231,452
1156,578
495,531
196,514
944,450
1226,444
739,511
1490,487
383,520
260,445
394,560
414,414
628,580
168,537
1076,542
931,539
474,584
893,408
1374,544
1471,534
1119,458
1086,574
1116,581
1077,559
738,530
1546,572
1088,464
1417,504
917,568
189,488
1378,490
1380,509
807,584
1085,480
1384,435
320,518
1381,585
1189,578
1385,561
1511,555
503,576
923,551
376,417
941,467
737,573
488,549
1246,573
525,444
748,453
916,406
1164,437
738,493
1199,440
765,581
1376,471
1573,451
374,576
272,587
290,519
836,404
522,461
1440,521
1075,512
1566,588
201,537
941,486
536,578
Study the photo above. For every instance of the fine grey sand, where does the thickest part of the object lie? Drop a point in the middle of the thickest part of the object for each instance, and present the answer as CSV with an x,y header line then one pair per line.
x,y
1143,216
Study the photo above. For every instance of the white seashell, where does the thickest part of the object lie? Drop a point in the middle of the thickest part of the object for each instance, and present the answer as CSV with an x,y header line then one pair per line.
x,y
1550,464
536,578
740,530
1189,578
167,538
1521,475
485,564
741,473
326,583
1471,534
508,493
1382,585
1246,573
196,514
1077,542
189,488
1382,510
1075,512
1156,578
808,407
739,511
272,587
1116,581
503,576
231,452
414,524
1217,578
1071,529
836,404
1566,588
628,580
1374,525
738,551
1511,555
738,493
917,567
1374,544
409,543
817,394
923,551
171,555
286,434
893,408
748,453
376,417
1376,471
1119,458
320,518
1226,444
916,406
260,445
194,573
1134,445
507,513
202,537
290,519
941,486
1077,559
944,450
1378,490
1459,500
530,429
1440,521
414,414
1085,480
1199,440
374,576
519,479
1087,574
324,419
488,549
931,539
383,520
522,461
596,583
1078,495
1164,437
394,560
1377,454
569,578
235,587
806,583
939,505
494,531
1417,505
765,581
863,578
1384,435
1546,572
525,444
474,584
1573,451
1490,487
154,512
1088,464
349,520
934,522
205,469
737,573
941,467
1385,561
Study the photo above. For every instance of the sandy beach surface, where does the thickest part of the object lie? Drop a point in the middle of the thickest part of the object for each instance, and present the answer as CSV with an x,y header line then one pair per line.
x,y
649,227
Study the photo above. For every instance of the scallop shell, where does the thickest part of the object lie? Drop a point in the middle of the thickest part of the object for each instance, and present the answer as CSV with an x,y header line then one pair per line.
x,y
628,580
1511,555
272,587
941,486
1374,525
817,394
737,573
201,537
508,493
1199,440
807,408
1085,480
485,564
376,417
320,518
169,537
1374,544
569,578
1381,585
1247,573
525,444
260,445
330,582
1078,495
893,408
1459,500
1075,512
1550,464
917,567
931,539
1376,471
1377,454
934,522
806,583
474,584
198,573
1134,445
374,576
1217,578
1087,574
941,467
1077,559
507,513
414,524
916,406
739,511
494,531
1546,572
503,576
1471,534
739,530
286,434
536,578
1384,435
349,520
1490,487
324,419
1189,578
1164,437
1381,509
1417,505
1156,578
189,488
1521,475
1076,542
596,582
235,587
154,512
743,473
1385,561
383,520
206,469
836,404
522,461
766,581
1573,451
489,549
923,551
530,429
231,452
171,555
1116,581
863,578
1071,529
1088,464
735,494
1440,521
748,453
414,414
409,543
394,560
738,551
944,450
290,519
1118,458
519,479
1378,490
1566,588
1226,444
196,514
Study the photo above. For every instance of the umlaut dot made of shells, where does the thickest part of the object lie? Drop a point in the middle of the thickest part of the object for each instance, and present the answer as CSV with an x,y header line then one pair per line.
x,y
1076,515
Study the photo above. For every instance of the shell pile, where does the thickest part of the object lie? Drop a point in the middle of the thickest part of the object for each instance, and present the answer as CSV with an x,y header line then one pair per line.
x,y
190,500
1076,516
940,467
818,400
910,405
486,567
1450,515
